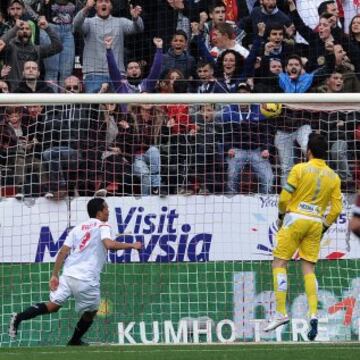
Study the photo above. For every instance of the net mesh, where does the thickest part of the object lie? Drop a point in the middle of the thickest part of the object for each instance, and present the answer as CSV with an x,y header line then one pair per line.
x,y
197,184
206,221
73,149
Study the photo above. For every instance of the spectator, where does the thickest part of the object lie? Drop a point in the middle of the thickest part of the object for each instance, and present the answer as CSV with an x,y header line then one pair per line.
x,y
207,144
30,82
217,14
223,37
60,15
230,63
346,68
94,30
183,22
246,141
11,174
267,76
276,47
148,122
333,84
5,70
72,146
206,79
35,177
339,129
117,158
178,57
133,81
19,49
72,84
4,25
354,43
310,12
180,130
161,19
17,11
4,87
295,80
268,13
351,9
21,161
165,85
329,7
328,32
293,126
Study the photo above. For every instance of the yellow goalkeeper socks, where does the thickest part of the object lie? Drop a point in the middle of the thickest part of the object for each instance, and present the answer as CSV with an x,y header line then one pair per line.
x,y
311,293
280,288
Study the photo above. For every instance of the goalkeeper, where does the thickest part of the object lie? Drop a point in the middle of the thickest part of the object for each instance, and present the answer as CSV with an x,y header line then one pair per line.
x,y
83,254
310,188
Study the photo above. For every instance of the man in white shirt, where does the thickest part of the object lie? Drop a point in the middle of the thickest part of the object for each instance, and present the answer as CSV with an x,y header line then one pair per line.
x,y
85,253
223,39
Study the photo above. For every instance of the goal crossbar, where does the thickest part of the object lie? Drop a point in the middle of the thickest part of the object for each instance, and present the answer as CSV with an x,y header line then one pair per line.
x,y
54,99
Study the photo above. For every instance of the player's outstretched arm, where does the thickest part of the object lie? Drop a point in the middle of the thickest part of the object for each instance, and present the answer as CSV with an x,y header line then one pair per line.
x,y
114,245
54,280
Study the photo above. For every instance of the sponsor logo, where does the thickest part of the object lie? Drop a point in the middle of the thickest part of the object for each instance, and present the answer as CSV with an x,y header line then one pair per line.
x,y
164,239
309,208
340,227
337,314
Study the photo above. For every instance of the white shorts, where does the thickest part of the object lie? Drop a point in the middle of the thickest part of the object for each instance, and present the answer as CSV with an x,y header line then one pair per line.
x,y
85,293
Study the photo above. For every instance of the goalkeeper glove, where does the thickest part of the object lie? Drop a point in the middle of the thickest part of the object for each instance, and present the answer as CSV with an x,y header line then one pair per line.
x,y
280,220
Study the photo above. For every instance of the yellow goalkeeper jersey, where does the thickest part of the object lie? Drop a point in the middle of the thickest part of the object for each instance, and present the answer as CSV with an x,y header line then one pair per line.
x,y
311,187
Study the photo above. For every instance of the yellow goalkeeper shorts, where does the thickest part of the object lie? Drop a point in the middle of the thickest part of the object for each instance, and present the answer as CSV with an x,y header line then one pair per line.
x,y
299,232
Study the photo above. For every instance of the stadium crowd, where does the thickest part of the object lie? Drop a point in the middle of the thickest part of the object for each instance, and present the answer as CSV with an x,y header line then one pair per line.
x,y
172,46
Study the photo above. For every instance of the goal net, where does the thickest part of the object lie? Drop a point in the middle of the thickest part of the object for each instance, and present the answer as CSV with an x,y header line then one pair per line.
x,y
197,183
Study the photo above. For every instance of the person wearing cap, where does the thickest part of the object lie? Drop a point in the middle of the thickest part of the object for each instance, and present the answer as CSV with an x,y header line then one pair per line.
x,y
247,140
94,30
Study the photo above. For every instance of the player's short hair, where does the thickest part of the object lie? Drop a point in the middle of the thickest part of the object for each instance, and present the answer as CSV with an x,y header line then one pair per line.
x,y
95,205
318,146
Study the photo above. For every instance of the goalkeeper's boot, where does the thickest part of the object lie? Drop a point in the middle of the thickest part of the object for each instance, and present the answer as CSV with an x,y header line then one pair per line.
x,y
313,329
13,325
277,321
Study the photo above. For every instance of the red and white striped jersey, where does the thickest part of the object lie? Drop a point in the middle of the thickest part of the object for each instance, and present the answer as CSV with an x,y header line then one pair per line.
x,y
88,253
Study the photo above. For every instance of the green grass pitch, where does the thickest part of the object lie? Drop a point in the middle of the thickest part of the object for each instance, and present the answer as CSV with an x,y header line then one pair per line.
x,y
279,351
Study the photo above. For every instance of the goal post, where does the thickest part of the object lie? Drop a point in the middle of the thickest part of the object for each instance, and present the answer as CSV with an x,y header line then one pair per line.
x,y
204,274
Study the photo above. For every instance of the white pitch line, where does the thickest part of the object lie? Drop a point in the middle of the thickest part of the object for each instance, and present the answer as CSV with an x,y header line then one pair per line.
x,y
173,350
